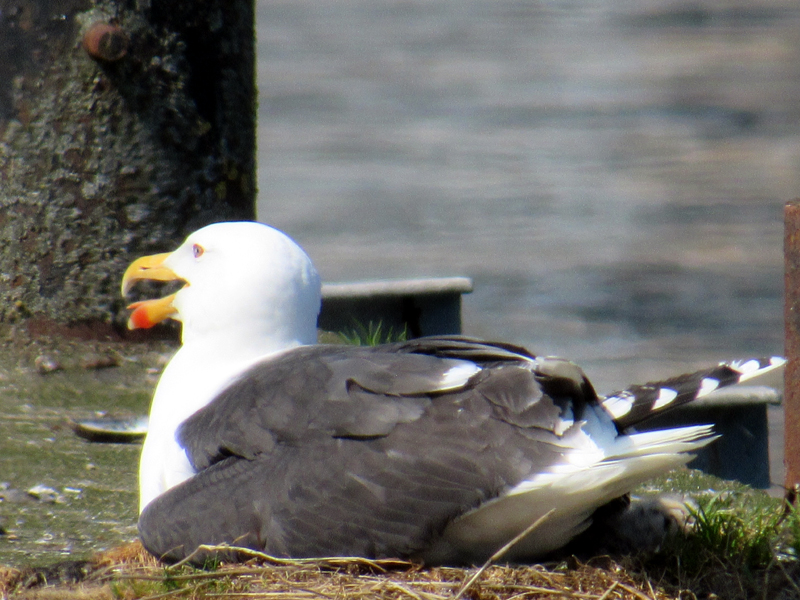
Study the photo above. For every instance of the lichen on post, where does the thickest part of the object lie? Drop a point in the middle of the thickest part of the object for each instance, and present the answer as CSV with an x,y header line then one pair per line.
x,y
123,126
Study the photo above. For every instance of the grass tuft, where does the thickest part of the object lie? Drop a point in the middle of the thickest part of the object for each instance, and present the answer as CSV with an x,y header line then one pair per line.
x,y
372,334
742,539
741,546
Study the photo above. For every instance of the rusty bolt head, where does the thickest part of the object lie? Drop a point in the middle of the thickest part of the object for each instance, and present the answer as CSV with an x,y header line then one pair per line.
x,y
105,42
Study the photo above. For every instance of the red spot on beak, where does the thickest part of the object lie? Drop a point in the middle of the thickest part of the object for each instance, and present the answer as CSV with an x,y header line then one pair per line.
x,y
139,318
149,312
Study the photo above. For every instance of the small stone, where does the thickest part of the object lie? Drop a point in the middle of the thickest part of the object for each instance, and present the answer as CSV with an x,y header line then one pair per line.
x,y
46,364
45,493
99,361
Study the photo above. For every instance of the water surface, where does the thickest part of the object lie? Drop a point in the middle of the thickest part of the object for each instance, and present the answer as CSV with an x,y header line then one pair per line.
x,y
611,174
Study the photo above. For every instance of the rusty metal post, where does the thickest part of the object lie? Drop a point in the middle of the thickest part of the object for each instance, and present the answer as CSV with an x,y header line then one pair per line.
x,y
791,398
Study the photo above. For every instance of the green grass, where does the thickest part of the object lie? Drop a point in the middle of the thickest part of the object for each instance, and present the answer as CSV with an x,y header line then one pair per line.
x,y
372,334
743,543
793,528
745,540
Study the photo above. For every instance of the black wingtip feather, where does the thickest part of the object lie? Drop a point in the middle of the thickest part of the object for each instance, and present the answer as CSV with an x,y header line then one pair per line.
x,y
638,403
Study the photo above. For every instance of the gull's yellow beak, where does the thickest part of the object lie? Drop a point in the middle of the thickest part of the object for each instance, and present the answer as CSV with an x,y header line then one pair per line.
x,y
149,312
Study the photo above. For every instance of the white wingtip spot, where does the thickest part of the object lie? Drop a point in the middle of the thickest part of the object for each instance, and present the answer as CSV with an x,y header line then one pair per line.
x,y
748,367
707,386
777,361
665,397
618,406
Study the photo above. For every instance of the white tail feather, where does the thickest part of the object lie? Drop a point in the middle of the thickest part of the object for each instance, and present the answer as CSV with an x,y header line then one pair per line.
x,y
575,490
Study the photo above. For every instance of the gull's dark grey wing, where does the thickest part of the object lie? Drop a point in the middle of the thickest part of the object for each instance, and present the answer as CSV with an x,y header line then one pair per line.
x,y
346,391
363,451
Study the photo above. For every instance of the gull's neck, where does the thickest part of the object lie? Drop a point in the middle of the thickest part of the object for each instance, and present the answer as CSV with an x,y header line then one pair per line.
x,y
199,371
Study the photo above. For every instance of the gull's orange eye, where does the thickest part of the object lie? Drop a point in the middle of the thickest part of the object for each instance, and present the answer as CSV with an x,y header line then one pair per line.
x,y
197,250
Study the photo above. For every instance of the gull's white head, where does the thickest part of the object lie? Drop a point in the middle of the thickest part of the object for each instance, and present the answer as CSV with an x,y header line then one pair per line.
x,y
244,281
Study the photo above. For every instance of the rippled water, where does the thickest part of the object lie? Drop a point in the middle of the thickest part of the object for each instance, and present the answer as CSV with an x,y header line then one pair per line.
x,y
611,174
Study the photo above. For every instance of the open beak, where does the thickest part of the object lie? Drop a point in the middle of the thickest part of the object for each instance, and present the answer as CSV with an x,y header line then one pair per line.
x,y
149,312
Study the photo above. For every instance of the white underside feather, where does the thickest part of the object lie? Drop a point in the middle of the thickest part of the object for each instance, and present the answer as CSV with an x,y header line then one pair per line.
x,y
591,475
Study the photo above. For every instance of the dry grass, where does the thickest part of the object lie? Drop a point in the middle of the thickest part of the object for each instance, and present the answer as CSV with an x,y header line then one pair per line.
x,y
130,573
